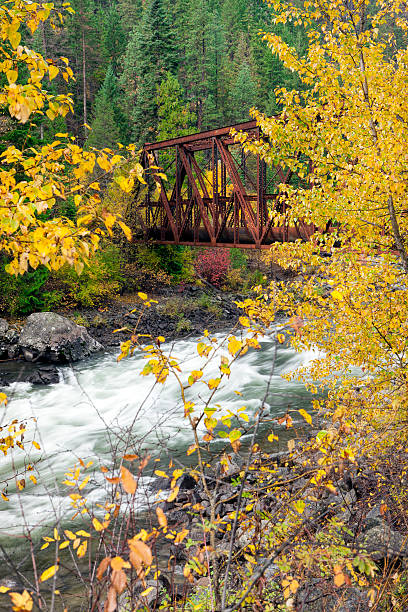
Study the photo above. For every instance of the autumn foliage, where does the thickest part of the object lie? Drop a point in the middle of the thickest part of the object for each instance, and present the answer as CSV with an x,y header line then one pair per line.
x,y
213,265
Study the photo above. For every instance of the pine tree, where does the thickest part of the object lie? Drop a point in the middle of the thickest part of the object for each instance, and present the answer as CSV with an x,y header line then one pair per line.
x,y
113,36
236,21
130,12
205,62
175,117
149,55
243,91
108,123
84,40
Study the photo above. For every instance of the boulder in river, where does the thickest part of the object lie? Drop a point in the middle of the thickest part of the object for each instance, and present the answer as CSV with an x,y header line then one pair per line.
x,y
49,337
8,340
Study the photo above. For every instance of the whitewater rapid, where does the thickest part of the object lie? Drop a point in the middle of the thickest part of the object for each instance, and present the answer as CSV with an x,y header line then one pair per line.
x,y
97,401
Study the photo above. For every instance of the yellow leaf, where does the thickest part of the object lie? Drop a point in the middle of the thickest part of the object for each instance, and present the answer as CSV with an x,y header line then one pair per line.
x,y
126,230
161,473
117,563
234,345
339,578
213,383
127,480
103,566
15,39
22,602
306,416
336,295
146,591
142,296
161,517
173,494
53,71
48,573
12,76
140,552
97,525
82,549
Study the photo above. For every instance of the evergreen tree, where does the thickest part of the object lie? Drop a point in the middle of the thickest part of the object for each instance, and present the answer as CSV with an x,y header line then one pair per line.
x,y
175,118
107,126
149,55
243,95
113,39
205,63
84,41
130,12
236,21
243,90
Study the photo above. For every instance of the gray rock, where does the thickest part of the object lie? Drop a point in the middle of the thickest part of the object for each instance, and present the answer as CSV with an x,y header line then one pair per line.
x,y
382,542
46,375
374,518
315,598
3,327
48,337
8,340
350,497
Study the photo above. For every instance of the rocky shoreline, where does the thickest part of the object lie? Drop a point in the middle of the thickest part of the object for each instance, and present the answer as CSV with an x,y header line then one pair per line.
x,y
31,350
366,521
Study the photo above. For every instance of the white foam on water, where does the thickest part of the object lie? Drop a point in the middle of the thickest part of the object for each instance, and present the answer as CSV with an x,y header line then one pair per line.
x,y
82,415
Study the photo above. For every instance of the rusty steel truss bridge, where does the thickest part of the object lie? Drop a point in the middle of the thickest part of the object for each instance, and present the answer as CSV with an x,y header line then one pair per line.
x,y
215,194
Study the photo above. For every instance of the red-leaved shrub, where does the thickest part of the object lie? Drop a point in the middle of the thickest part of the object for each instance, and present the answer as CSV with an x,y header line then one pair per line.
x,y
213,265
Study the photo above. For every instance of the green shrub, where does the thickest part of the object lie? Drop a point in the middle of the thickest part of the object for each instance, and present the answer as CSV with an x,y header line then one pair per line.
x,y
100,280
239,259
175,261
176,307
233,279
184,325
204,301
79,319
139,277
257,278
23,295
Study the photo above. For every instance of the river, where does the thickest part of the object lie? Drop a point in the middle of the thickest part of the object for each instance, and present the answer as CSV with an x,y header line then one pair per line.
x,y
97,401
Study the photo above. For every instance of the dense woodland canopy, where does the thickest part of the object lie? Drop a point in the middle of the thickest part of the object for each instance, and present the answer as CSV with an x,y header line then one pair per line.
x,y
131,58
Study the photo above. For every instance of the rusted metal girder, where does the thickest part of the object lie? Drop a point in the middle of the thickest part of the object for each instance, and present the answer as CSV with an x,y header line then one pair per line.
x,y
216,194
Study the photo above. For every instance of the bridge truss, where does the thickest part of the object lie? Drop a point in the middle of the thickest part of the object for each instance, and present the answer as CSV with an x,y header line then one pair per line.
x,y
216,194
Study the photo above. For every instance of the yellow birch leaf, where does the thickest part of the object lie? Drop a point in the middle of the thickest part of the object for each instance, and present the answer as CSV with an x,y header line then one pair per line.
x,y
53,71
161,517
173,494
48,573
82,549
306,416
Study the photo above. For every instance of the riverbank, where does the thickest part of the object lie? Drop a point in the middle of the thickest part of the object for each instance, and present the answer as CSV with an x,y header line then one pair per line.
x,y
181,311
177,312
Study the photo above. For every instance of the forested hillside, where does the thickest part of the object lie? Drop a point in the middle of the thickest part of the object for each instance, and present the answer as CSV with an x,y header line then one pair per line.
x,y
148,70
